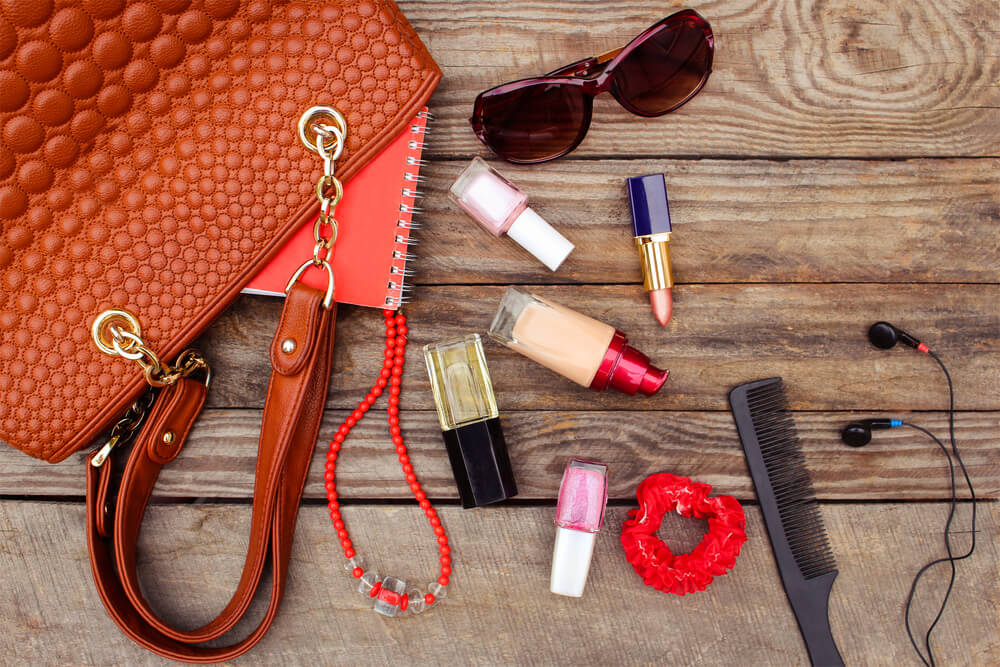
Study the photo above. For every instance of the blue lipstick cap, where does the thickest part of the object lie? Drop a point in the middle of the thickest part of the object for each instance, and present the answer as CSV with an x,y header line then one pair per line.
x,y
647,195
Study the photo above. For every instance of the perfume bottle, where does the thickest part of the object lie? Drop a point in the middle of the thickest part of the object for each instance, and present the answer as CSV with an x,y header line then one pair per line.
x,y
583,496
470,420
501,208
589,352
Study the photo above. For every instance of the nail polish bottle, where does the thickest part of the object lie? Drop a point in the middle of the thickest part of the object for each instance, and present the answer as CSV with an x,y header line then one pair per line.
x,y
583,496
501,208
589,352
470,420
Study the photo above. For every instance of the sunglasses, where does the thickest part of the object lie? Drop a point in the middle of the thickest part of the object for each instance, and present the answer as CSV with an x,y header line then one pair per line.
x,y
545,117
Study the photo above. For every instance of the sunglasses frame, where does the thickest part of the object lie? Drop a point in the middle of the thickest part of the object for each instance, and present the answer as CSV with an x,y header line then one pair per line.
x,y
593,75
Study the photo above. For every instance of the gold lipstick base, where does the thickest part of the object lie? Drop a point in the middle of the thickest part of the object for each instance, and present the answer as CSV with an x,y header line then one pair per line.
x,y
654,255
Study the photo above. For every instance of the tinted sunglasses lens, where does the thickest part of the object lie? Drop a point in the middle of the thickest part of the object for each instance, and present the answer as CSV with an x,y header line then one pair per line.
x,y
665,69
535,122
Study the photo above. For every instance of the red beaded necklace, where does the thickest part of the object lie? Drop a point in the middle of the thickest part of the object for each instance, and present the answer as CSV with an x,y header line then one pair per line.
x,y
391,594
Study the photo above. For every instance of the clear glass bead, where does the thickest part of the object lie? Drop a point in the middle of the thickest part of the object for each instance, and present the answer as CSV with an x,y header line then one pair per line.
x,y
438,591
368,580
351,563
389,597
416,604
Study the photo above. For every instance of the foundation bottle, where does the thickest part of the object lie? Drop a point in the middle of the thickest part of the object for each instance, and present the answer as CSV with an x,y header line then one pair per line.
x,y
587,351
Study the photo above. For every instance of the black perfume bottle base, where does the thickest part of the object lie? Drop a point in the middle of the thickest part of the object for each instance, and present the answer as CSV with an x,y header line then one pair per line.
x,y
479,461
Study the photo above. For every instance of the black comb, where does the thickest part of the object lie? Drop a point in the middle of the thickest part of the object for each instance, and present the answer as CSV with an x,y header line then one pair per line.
x,y
791,513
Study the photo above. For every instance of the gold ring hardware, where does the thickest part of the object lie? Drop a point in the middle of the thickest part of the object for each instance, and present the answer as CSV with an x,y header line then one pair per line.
x,y
323,121
106,330
328,299
117,333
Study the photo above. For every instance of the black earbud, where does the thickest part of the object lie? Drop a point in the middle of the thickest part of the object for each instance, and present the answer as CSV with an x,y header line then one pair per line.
x,y
885,336
859,434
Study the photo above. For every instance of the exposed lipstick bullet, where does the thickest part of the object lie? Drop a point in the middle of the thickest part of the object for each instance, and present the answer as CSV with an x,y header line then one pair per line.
x,y
647,197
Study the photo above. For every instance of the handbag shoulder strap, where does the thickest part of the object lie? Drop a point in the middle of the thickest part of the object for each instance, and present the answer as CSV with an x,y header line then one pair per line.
x,y
301,358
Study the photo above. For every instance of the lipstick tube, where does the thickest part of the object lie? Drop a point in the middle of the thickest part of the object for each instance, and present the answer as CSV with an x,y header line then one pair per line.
x,y
583,496
470,420
501,208
589,352
647,196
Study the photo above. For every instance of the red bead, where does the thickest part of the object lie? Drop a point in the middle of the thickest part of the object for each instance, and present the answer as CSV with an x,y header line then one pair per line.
x,y
339,438
338,524
419,494
410,477
394,418
393,391
376,589
343,430
445,550
405,461
394,430
351,422
393,411
377,390
443,580
357,572
439,530
446,560
429,511
400,449
443,540
402,330
388,313
396,381
329,475
446,570
342,535
389,354
346,543
399,352
357,415
331,487
415,487
386,372
425,505
387,363
407,468
400,319
382,382
349,553
363,408
435,521
331,464
429,599
398,441
390,333
334,514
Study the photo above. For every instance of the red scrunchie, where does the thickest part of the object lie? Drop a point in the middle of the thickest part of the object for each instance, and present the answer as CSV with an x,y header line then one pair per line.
x,y
714,556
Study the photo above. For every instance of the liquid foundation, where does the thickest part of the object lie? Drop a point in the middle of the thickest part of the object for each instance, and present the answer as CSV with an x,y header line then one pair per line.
x,y
587,351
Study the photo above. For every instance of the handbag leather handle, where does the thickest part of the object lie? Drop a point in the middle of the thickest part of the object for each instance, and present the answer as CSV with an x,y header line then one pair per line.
x,y
292,414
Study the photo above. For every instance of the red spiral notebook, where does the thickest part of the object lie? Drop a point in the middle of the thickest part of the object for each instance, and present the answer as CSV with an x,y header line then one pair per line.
x,y
375,219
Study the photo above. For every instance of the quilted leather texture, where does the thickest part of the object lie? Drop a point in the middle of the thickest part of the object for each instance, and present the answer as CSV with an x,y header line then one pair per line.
x,y
150,162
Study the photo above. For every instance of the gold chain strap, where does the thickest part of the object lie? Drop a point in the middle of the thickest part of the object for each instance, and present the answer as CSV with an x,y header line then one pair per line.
x,y
323,131
117,333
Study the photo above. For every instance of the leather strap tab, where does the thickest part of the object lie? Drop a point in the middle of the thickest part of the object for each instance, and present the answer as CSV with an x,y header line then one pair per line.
x,y
292,415
296,333
168,427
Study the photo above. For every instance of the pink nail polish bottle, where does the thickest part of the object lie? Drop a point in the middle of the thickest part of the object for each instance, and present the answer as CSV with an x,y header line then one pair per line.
x,y
583,495
501,208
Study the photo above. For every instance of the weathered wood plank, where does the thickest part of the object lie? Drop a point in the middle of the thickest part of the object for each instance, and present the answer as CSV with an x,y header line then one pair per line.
x,y
812,335
499,610
843,78
218,460
737,221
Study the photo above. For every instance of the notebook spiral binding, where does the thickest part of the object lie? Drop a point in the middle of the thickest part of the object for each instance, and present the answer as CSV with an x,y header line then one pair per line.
x,y
405,226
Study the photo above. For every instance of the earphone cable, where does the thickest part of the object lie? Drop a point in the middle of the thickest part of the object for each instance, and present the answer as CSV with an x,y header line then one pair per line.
x,y
951,558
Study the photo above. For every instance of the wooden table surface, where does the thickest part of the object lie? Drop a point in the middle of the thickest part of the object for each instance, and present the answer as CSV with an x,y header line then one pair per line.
x,y
840,167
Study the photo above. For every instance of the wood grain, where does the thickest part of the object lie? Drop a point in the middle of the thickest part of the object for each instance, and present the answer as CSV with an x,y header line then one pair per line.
x,y
218,460
499,610
722,335
830,78
737,221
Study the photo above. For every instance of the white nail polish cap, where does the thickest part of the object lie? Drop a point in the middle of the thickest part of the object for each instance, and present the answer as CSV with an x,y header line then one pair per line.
x,y
540,239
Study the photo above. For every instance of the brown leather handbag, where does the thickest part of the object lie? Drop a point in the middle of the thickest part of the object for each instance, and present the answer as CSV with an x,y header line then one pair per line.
x,y
155,154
